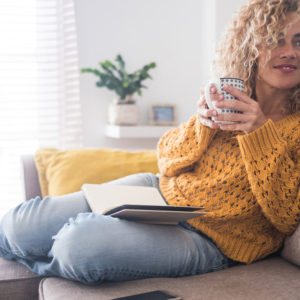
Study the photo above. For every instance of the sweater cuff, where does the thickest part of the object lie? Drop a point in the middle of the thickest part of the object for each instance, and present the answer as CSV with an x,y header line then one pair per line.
x,y
204,133
258,142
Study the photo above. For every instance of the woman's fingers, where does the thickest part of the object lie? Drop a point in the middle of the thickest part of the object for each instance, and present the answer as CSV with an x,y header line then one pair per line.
x,y
202,108
209,123
250,119
232,104
214,95
233,127
237,118
204,112
201,102
237,93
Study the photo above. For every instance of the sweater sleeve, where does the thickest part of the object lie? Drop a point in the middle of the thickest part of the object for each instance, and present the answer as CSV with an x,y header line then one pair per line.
x,y
181,147
274,174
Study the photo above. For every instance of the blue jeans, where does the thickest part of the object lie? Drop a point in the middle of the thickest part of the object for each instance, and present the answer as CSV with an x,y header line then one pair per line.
x,y
60,236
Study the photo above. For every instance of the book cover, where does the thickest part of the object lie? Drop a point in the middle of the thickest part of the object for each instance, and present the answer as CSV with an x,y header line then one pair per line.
x,y
136,203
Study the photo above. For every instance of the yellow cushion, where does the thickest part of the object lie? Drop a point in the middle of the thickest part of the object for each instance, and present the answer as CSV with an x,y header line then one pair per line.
x,y
63,172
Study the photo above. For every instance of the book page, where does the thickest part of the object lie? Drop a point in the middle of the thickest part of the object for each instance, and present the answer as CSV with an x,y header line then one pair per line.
x,y
103,197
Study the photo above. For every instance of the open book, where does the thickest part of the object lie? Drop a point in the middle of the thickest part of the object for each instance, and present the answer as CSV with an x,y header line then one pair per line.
x,y
136,203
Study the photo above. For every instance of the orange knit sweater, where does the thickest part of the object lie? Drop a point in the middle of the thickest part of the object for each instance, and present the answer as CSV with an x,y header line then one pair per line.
x,y
248,183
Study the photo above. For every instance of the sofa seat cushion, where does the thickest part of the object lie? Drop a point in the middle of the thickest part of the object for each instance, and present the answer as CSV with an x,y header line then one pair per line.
x,y
17,282
291,249
273,278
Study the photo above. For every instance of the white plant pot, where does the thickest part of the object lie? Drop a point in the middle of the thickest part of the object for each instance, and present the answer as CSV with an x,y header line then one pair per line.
x,y
123,114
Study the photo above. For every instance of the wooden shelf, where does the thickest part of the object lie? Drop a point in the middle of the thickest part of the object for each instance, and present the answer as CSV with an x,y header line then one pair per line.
x,y
120,132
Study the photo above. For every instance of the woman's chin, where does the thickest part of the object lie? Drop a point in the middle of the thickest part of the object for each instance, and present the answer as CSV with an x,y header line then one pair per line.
x,y
286,84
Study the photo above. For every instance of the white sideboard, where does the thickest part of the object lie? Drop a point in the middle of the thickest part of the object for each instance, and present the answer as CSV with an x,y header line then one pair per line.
x,y
143,131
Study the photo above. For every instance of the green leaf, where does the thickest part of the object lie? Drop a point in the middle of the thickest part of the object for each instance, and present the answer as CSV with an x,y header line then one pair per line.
x,y
87,70
121,62
126,83
116,78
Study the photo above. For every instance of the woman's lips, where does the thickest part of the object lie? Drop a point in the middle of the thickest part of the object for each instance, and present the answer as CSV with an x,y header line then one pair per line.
x,y
286,68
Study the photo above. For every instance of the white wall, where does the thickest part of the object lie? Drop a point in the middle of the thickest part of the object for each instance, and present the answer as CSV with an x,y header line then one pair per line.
x,y
224,10
178,35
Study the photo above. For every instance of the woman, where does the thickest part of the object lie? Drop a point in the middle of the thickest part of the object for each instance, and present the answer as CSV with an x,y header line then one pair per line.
x,y
246,175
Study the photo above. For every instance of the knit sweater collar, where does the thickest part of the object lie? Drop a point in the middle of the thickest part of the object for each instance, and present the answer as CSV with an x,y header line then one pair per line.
x,y
288,119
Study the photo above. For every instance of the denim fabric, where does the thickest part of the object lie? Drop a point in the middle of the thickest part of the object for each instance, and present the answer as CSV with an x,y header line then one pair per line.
x,y
61,237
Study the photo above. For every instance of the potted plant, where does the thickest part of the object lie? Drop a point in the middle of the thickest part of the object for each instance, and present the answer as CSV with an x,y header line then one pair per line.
x,y
123,110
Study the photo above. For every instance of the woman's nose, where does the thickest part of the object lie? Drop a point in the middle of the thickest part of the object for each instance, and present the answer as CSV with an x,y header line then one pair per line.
x,y
288,51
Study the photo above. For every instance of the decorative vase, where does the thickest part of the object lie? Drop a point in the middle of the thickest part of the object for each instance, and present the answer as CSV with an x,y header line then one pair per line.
x,y
123,112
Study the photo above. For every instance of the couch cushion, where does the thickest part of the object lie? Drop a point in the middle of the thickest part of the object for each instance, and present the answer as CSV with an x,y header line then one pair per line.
x,y
17,282
291,249
63,172
273,278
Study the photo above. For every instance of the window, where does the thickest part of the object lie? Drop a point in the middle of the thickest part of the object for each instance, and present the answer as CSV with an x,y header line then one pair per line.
x,y
39,86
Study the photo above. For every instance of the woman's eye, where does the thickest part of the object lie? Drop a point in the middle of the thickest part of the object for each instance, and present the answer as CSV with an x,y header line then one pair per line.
x,y
296,40
297,43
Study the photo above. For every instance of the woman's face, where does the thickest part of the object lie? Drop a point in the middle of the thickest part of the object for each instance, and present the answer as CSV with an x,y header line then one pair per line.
x,y
280,67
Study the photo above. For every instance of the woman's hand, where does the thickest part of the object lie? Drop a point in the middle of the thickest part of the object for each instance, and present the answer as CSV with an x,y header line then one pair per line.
x,y
249,120
204,112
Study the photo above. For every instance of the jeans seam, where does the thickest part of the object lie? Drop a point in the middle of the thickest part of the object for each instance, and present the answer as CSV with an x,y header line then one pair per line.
x,y
219,267
134,274
138,274
3,251
21,254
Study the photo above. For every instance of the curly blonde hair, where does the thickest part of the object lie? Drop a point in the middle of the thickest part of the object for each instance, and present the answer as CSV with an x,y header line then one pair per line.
x,y
257,24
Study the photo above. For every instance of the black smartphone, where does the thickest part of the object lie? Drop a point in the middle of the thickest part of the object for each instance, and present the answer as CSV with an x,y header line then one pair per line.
x,y
153,295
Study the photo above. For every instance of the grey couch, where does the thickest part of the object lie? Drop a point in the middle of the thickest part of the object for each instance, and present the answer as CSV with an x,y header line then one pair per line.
x,y
271,278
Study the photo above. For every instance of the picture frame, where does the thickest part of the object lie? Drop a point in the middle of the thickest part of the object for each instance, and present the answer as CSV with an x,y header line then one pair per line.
x,y
163,114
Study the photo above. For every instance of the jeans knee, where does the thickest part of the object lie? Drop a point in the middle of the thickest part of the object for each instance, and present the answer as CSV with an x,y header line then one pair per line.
x,y
14,235
89,248
66,249
19,231
76,252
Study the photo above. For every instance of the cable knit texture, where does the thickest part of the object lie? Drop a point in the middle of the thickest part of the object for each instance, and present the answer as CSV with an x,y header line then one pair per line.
x,y
248,183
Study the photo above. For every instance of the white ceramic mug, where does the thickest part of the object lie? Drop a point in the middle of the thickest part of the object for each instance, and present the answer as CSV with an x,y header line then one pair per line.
x,y
236,82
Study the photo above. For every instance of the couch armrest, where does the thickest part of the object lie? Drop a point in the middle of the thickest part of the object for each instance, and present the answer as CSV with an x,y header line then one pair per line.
x,y
30,175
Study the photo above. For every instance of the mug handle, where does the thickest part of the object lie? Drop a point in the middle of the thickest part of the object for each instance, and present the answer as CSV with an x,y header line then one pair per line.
x,y
207,93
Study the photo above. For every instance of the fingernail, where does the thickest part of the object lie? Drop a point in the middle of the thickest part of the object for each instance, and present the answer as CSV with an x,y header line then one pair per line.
x,y
212,89
214,113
